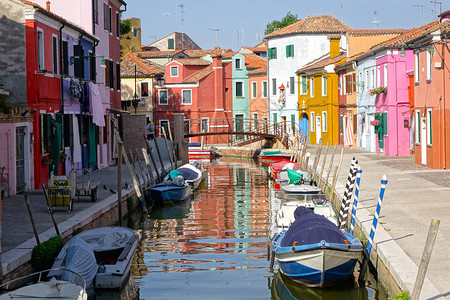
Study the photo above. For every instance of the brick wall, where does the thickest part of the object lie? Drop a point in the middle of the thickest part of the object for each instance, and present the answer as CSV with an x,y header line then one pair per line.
x,y
134,127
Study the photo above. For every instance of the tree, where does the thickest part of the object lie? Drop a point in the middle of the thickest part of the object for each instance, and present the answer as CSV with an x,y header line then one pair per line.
x,y
275,25
125,27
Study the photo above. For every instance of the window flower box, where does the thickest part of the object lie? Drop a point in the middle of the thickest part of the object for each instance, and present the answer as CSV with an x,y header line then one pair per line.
x,y
375,122
378,90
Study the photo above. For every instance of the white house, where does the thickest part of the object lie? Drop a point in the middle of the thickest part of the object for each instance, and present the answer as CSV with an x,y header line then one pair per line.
x,y
291,48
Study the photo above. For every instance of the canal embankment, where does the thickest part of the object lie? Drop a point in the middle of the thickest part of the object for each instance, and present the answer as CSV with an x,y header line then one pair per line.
x,y
414,196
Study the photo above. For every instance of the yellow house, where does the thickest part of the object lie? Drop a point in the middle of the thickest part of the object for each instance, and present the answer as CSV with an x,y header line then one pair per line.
x,y
318,97
137,80
132,40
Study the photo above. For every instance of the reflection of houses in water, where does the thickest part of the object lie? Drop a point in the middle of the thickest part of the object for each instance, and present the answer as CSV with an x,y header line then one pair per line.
x,y
242,194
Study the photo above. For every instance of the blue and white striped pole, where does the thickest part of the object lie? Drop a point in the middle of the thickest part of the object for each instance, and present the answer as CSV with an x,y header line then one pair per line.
x,y
355,201
384,181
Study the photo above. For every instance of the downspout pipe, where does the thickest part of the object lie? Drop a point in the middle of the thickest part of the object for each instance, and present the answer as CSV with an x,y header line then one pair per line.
x,y
61,84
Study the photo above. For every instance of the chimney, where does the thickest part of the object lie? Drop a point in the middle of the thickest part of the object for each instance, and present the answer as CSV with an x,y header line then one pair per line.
x,y
219,88
335,45
48,5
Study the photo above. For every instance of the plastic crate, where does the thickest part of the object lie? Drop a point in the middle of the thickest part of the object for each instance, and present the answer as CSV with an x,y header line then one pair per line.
x,y
59,196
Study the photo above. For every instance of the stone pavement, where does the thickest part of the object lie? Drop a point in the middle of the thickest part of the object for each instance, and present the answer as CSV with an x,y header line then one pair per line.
x,y
414,196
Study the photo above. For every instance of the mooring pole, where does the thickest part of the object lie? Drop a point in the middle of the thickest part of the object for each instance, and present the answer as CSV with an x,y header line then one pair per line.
x,y
355,200
168,150
158,175
343,213
426,256
331,165
119,182
384,181
36,233
50,210
323,164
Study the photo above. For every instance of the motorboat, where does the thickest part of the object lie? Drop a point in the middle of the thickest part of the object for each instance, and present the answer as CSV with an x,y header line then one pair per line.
x,y
314,251
284,164
192,174
171,191
102,256
267,157
67,285
300,189
288,176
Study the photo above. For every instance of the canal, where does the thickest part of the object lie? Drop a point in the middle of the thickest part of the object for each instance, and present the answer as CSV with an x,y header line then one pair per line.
x,y
214,245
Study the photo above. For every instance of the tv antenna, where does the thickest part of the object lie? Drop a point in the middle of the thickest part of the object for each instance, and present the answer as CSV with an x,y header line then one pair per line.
x,y
421,6
217,34
375,18
258,36
167,20
182,20
440,8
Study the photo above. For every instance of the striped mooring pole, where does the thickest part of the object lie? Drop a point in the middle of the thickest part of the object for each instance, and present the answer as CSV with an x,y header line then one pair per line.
x,y
384,181
347,194
355,200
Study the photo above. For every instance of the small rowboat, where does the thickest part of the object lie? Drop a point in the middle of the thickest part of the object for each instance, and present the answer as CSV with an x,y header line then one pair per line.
x,y
268,157
284,164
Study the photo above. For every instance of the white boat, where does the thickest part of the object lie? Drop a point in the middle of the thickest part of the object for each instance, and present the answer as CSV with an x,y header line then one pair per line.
x,y
113,250
192,174
284,178
300,189
69,285
319,204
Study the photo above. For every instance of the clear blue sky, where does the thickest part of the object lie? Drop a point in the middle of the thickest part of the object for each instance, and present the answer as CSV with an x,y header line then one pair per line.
x,y
249,17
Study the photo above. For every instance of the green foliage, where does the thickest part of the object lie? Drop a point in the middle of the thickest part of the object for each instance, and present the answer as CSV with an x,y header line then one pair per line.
x,y
275,25
125,27
43,255
77,231
403,296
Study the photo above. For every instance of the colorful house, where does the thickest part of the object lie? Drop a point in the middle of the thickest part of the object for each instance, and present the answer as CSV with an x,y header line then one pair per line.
x,y
199,88
431,114
258,91
318,96
290,49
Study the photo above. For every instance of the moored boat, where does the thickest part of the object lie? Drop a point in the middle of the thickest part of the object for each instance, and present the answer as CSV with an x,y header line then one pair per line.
x,y
284,164
112,248
68,285
288,176
192,174
268,157
299,189
314,251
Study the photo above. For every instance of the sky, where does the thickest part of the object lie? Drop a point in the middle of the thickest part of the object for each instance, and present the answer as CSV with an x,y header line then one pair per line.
x,y
236,23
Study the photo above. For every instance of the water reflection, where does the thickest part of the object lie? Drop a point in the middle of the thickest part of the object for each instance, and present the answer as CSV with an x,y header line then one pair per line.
x,y
214,246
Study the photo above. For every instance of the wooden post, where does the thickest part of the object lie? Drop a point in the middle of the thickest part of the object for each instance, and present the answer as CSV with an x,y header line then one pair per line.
x,y
163,170
427,251
167,147
158,174
119,182
144,176
316,162
36,233
336,171
323,164
293,148
50,209
331,165
147,163
306,161
133,166
173,149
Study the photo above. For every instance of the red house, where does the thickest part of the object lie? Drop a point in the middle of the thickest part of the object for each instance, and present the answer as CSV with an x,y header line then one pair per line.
x,y
199,88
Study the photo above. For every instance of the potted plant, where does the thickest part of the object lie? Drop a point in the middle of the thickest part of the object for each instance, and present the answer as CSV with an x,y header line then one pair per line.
x,y
62,157
378,90
47,160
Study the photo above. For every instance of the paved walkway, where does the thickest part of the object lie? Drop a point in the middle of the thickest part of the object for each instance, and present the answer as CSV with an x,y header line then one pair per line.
x,y
414,196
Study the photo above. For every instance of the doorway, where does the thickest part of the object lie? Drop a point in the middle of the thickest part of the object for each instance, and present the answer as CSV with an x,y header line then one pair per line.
x,y
423,140
318,130
20,159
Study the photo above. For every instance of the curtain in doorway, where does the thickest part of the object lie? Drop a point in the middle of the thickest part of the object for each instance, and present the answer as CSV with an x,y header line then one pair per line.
x,y
348,134
92,146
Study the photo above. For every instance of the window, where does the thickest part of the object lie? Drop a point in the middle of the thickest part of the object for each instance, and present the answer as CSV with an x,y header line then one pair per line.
x,y
378,76
40,41
144,89
275,118
107,72
264,89
360,82
239,89
429,62
205,125
110,19
170,44
237,63
324,85
135,32
174,71
65,58
165,124
311,87
254,94
118,76
348,86
255,120
105,16
312,120
290,51
416,67
372,77
367,79
111,74
385,75
303,85
162,96
78,62
186,97
93,67
429,126
117,25
324,121
293,123
272,53
55,54
292,85
341,85
274,86
417,126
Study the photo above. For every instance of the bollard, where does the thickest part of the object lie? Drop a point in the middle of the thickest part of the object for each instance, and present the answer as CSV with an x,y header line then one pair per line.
x,y
355,200
343,213
432,232
384,181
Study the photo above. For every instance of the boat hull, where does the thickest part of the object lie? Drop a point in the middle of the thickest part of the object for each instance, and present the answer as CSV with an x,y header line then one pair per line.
x,y
300,189
317,265
169,195
266,160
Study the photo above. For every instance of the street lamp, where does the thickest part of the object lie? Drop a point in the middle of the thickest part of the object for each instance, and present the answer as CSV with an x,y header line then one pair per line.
x,y
135,102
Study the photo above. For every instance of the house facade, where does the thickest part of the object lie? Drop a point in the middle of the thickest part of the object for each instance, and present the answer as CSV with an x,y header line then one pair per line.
x,y
259,93
290,49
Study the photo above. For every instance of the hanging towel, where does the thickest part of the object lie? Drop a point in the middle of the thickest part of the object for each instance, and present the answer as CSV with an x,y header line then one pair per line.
x,y
96,106
76,140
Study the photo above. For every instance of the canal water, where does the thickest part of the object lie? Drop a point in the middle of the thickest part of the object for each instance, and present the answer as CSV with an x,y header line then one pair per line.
x,y
214,245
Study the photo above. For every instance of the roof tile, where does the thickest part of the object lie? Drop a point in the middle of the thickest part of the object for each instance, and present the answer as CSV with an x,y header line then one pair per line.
x,y
143,67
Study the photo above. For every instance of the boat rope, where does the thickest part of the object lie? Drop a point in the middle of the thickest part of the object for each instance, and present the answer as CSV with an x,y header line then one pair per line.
x,y
355,200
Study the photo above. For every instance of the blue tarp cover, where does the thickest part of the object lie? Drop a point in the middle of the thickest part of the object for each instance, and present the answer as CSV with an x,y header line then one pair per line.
x,y
310,228
188,174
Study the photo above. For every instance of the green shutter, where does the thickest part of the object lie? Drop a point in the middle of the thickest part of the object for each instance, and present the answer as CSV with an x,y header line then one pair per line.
x,y
274,118
385,123
292,50
171,45
288,51
274,52
269,53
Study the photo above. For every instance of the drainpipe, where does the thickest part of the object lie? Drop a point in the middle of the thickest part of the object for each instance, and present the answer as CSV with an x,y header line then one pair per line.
x,y
443,106
61,84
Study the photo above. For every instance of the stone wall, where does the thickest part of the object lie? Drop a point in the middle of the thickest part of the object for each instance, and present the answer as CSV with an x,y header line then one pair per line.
x,y
134,128
12,49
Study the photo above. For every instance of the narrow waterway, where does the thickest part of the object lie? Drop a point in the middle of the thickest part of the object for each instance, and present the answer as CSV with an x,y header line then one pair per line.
x,y
214,245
